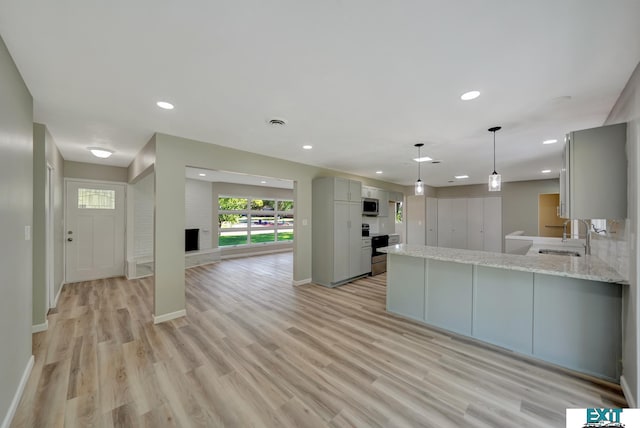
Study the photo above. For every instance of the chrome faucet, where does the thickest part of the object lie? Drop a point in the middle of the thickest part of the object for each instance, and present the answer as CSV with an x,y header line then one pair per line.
x,y
564,230
587,242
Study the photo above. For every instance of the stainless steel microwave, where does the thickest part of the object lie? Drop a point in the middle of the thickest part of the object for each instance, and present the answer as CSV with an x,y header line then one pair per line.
x,y
370,206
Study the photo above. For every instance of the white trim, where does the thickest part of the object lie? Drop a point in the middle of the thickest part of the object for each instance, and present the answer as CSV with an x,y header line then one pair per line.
x,y
55,302
37,328
170,316
18,395
627,392
254,253
88,180
301,282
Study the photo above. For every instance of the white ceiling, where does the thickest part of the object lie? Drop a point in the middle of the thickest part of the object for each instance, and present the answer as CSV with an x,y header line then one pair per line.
x,y
234,177
361,81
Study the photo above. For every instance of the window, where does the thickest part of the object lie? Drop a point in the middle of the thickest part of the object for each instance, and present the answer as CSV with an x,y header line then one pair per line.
x,y
254,221
96,199
398,209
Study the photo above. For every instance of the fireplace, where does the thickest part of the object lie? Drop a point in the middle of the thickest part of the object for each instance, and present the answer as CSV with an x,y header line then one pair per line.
x,y
191,239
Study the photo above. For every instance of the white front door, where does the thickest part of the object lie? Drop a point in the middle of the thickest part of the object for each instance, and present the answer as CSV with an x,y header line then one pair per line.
x,y
94,230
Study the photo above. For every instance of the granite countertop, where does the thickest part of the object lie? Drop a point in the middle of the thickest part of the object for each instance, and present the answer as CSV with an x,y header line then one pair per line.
x,y
587,267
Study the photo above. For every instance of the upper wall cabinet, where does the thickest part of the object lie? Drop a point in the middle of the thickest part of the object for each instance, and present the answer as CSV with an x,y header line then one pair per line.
x,y
593,182
347,190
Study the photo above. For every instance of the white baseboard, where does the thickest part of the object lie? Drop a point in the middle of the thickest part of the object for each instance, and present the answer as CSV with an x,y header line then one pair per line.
x,y
254,253
631,401
302,281
170,316
40,327
55,302
18,395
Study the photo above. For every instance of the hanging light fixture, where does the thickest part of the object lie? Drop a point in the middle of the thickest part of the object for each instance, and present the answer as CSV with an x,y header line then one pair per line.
x,y
419,190
495,179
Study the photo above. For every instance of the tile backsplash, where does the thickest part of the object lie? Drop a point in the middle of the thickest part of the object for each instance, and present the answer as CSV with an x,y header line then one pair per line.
x,y
612,246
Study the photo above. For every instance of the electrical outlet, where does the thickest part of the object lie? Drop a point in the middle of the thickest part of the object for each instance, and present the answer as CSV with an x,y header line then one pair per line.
x,y
27,233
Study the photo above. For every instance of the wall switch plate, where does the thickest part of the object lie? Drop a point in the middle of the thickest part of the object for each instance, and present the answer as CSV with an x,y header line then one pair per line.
x,y
305,222
27,233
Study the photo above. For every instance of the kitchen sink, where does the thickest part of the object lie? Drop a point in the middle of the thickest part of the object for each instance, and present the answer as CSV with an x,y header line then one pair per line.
x,y
560,252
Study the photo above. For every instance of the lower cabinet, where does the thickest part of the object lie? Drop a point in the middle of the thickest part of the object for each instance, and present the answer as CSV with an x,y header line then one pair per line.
x,y
577,324
574,323
365,256
407,299
503,308
448,295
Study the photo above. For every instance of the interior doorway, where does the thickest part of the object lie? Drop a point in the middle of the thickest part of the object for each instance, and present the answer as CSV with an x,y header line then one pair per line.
x,y
550,224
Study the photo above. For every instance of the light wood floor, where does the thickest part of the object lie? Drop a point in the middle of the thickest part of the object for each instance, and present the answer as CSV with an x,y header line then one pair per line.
x,y
255,351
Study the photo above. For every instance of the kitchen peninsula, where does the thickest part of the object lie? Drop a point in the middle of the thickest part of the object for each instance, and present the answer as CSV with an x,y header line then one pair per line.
x,y
561,309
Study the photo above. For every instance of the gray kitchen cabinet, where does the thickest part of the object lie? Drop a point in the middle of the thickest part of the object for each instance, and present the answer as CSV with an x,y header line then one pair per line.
x,y
336,231
369,192
594,175
414,217
475,223
448,295
346,190
383,205
432,222
452,223
365,255
396,196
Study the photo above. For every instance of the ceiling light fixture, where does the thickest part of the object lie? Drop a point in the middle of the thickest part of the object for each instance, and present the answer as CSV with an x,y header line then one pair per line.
x,y
263,182
378,172
100,153
545,171
471,95
165,105
307,147
277,122
419,187
460,177
552,141
202,174
422,159
495,179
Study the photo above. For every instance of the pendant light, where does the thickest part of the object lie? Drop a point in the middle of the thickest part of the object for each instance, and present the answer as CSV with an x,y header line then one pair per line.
x,y
495,179
419,189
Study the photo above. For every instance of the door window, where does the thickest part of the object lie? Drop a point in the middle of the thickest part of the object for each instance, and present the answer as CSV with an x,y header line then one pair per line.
x,y
96,199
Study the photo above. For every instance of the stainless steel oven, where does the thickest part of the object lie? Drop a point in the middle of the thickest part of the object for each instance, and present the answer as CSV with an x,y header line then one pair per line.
x,y
378,259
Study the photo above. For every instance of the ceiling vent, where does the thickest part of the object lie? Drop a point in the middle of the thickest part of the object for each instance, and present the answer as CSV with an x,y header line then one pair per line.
x,y
277,122
436,161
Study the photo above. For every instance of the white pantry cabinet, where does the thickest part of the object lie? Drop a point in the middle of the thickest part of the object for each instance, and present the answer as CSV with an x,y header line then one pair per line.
x,y
432,222
452,223
414,217
336,231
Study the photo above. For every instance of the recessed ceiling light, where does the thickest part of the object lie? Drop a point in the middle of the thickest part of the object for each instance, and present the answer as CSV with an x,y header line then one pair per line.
x,y
263,182
436,161
422,159
378,172
100,153
546,171
552,141
460,177
165,105
471,95
307,147
202,174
